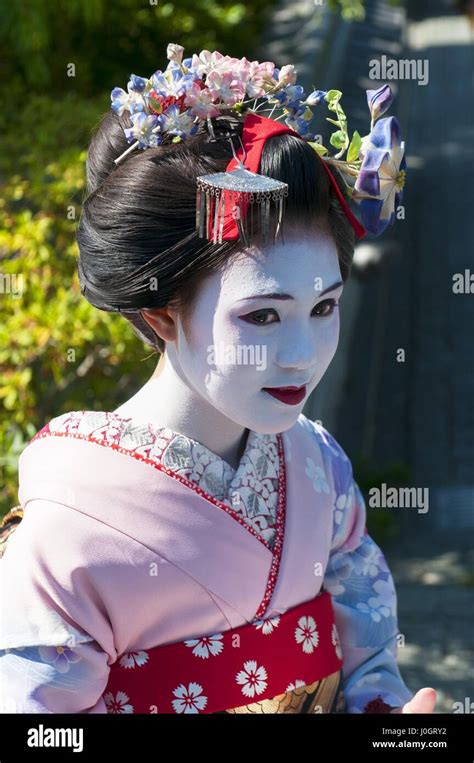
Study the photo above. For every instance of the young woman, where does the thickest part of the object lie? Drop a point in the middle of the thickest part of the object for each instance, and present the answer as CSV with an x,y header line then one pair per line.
x,y
203,547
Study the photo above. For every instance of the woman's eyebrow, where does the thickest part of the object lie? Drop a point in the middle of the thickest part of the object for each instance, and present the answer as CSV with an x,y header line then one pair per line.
x,y
280,295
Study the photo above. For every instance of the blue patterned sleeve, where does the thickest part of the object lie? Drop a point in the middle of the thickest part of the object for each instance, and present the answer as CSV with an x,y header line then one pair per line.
x,y
364,598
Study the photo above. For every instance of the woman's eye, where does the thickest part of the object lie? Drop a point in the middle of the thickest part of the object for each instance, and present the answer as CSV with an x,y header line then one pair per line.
x,y
258,317
328,303
321,310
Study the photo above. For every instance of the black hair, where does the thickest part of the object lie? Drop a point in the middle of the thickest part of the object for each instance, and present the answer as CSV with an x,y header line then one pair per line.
x,y
138,243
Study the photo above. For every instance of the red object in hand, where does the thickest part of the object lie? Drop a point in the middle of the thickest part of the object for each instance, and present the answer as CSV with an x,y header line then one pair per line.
x,y
377,706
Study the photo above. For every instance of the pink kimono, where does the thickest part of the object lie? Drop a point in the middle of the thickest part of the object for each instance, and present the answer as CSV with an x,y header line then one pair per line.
x,y
142,554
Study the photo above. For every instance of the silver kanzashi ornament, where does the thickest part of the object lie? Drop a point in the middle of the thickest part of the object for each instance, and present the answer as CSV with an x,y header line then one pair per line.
x,y
241,189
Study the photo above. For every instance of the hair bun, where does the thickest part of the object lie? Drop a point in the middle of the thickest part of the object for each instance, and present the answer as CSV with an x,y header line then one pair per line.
x,y
109,142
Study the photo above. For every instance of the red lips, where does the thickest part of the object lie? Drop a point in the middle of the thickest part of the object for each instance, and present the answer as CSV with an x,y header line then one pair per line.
x,y
288,395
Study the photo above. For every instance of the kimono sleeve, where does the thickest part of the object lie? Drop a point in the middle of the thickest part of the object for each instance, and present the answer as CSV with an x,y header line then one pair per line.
x,y
364,598
56,641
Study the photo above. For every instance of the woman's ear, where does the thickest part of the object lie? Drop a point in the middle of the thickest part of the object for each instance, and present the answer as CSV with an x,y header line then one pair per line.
x,y
163,322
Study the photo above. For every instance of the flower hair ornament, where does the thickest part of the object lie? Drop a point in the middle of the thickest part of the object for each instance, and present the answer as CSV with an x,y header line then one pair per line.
x,y
190,92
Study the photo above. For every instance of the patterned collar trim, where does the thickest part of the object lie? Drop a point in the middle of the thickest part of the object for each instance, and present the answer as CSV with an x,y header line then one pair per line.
x,y
251,490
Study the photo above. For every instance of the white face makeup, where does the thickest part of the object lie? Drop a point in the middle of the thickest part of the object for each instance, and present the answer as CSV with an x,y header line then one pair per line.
x,y
235,345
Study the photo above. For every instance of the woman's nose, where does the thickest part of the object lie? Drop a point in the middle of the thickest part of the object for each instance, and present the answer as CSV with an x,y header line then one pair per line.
x,y
298,350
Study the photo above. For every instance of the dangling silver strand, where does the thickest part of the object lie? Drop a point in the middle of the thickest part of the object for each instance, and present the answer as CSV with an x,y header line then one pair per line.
x,y
210,128
208,211
266,217
217,195
221,227
280,213
202,212
198,208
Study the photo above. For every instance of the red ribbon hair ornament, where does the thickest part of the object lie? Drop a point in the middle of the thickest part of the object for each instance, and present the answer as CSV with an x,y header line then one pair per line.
x,y
223,198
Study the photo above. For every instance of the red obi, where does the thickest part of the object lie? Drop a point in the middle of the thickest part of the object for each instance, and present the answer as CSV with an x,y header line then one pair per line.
x,y
289,663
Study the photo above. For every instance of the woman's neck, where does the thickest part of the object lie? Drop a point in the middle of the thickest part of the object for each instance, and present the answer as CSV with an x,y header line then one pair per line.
x,y
167,401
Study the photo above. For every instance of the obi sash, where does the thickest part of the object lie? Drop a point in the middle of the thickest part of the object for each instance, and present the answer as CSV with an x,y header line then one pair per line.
x,y
290,663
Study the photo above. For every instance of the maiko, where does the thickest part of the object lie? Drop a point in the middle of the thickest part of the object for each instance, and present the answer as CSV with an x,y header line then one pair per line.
x,y
41,737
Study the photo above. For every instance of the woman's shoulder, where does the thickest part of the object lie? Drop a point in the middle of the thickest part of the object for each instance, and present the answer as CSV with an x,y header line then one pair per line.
x,y
331,449
103,427
62,456
328,453
78,422
73,424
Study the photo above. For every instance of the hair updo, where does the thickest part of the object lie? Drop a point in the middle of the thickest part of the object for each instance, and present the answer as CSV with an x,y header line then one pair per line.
x,y
138,221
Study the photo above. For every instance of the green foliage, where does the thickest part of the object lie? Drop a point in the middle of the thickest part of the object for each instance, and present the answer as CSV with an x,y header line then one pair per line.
x,y
339,138
352,10
353,150
106,41
57,353
318,147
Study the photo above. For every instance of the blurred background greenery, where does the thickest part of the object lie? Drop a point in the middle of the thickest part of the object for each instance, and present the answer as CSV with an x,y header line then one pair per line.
x,y
57,353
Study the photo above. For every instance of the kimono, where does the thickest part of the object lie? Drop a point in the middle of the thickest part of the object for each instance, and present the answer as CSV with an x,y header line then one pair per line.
x,y
149,576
